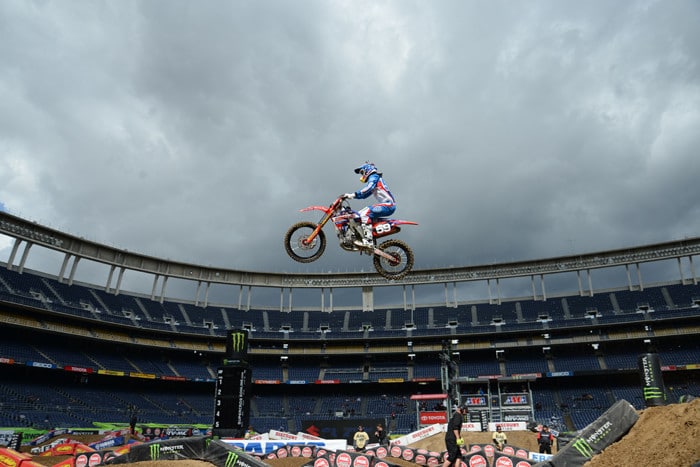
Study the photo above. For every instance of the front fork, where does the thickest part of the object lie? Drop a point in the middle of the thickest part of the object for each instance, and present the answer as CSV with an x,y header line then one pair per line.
x,y
318,228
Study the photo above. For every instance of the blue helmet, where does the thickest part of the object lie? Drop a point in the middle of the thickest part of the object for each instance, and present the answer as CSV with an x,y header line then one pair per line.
x,y
365,170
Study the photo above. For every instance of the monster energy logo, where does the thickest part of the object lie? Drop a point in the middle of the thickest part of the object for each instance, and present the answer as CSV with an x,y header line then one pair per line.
x,y
231,459
583,448
238,341
652,392
155,452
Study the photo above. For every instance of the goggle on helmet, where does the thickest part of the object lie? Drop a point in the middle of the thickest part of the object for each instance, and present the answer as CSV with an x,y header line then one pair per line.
x,y
365,171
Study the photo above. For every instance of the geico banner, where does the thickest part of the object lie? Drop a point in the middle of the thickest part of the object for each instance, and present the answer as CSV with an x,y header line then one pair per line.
x,y
263,447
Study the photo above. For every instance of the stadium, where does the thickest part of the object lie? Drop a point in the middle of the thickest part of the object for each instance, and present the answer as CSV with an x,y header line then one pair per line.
x,y
80,353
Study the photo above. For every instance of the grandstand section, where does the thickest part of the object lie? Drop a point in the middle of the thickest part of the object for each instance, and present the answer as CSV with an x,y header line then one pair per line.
x,y
73,351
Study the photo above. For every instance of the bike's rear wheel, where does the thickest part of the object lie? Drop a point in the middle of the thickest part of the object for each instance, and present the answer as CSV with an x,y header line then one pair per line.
x,y
402,261
297,247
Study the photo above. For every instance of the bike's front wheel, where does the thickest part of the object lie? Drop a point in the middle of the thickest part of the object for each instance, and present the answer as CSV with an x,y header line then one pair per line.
x,y
401,263
297,245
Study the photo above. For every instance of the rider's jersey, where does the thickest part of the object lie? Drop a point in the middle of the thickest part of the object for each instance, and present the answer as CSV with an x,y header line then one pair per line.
x,y
377,187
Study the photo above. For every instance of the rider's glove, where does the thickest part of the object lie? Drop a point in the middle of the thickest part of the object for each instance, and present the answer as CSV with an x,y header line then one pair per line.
x,y
460,441
349,196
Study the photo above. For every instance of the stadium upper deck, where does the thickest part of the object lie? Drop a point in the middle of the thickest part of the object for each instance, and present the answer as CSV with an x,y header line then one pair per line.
x,y
77,251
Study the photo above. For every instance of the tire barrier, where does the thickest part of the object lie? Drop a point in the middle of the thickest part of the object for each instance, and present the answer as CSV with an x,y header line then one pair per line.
x,y
652,380
379,451
511,456
87,459
383,463
476,458
352,459
489,450
608,428
502,459
417,455
301,450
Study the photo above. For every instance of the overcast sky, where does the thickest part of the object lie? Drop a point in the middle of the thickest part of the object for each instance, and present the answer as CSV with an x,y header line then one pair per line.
x,y
196,130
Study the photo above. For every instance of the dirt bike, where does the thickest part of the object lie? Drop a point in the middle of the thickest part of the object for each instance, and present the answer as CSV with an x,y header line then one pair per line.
x,y
305,241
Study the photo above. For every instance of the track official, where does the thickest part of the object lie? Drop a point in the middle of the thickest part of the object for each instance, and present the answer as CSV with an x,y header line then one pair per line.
x,y
453,438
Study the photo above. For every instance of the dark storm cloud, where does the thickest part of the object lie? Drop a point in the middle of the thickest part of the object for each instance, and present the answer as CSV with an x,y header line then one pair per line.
x,y
196,130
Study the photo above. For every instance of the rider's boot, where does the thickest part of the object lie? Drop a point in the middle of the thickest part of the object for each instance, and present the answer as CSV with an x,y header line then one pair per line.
x,y
366,240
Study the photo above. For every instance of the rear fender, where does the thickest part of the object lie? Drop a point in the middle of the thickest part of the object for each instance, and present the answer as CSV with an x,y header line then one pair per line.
x,y
386,227
400,222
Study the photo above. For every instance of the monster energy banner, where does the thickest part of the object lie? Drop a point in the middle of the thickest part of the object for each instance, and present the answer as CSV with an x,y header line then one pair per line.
x,y
652,380
223,455
202,448
236,345
608,428
232,401
169,449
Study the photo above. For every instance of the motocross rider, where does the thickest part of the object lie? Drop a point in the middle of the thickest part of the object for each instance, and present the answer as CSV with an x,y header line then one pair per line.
x,y
385,206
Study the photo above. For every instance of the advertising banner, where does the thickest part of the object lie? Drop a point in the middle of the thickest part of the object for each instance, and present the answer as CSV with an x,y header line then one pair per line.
x,y
475,401
431,417
510,400
652,380
340,428
224,455
608,428
264,447
237,345
171,449
423,433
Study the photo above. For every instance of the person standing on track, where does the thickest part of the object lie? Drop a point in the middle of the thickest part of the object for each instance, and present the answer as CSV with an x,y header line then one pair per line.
x,y
453,438
545,438
499,438
359,441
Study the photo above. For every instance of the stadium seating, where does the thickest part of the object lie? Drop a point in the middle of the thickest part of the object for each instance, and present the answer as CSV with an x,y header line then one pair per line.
x,y
41,397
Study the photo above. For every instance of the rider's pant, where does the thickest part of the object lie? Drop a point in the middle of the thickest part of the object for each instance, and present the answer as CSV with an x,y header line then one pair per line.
x,y
376,211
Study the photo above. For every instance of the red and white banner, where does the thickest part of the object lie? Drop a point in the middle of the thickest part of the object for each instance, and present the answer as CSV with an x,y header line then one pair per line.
x,y
432,417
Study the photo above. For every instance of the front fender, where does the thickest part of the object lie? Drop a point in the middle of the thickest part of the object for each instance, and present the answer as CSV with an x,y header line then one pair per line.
x,y
325,209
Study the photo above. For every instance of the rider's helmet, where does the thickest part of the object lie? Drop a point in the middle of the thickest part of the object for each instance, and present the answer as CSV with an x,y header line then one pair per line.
x,y
365,170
